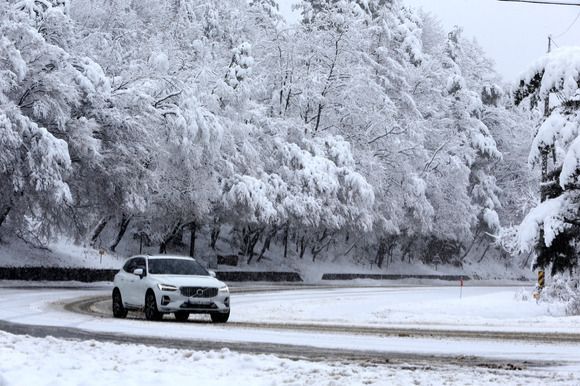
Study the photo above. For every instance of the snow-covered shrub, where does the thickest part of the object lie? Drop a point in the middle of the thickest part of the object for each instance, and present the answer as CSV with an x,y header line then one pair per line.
x,y
564,289
523,295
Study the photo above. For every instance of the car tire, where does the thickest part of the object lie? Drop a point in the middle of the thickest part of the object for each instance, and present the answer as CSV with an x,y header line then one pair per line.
x,y
182,316
151,311
220,317
119,311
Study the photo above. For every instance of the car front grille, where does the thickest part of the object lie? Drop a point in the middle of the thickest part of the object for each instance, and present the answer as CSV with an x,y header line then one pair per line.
x,y
189,307
199,292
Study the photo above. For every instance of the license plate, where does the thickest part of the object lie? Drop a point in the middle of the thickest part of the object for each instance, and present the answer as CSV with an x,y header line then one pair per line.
x,y
198,301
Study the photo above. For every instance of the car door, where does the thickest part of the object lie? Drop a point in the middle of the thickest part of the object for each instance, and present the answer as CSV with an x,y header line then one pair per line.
x,y
134,286
141,282
124,280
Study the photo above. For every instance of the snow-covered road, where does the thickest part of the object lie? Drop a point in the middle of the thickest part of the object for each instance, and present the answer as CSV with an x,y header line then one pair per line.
x,y
365,317
356,319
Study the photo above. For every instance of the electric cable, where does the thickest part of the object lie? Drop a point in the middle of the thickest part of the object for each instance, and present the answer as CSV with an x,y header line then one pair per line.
x,y
567,29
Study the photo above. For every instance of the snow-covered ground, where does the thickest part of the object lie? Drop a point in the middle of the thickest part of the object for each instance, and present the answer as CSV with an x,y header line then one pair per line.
x,y
417,304
32,361
26,360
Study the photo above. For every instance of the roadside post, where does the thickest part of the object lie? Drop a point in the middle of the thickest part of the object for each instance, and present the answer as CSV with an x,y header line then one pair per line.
x,y
539,286
101,253
461,288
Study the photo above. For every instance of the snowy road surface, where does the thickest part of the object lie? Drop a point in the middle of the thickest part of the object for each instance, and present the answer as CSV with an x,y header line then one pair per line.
x,y
369,320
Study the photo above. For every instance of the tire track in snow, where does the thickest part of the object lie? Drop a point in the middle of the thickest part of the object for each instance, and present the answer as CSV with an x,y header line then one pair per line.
x,y
90,306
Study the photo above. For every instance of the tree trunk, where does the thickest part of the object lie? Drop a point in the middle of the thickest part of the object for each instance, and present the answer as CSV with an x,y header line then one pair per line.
x,y
285,240
251,241
484,252
471,246
215,234
525,263
407,250
98,229
168,238
193,229
318,117
381,253
5,211
302,246
123,228
316,251
266,245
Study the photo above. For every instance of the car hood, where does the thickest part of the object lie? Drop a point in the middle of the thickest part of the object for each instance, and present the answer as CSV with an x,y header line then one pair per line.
x,y
188,280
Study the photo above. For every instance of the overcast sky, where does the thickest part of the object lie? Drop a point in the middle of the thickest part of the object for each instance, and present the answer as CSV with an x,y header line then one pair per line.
x,y
513,34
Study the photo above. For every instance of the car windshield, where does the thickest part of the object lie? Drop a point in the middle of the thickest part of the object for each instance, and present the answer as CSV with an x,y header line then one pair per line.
x,y
176,267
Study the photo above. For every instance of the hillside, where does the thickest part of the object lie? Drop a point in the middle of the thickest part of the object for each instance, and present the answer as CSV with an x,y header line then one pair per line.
x,y
67,255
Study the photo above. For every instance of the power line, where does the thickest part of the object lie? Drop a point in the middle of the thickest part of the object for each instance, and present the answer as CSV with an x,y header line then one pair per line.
x,y
550,37
567,29
544,2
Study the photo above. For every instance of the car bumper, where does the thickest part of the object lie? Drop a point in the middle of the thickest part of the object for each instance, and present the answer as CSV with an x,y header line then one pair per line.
x,y
174,302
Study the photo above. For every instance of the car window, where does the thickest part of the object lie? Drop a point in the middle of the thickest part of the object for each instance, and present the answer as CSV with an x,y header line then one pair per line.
x,y
176,267
132,264
139,263
129,266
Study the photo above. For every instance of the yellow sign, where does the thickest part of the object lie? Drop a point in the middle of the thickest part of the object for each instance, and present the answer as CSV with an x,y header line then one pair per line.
x,y
101,252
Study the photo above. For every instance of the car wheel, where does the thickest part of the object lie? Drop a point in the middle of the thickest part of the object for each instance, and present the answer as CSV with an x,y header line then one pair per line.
x,y
151,311
119,311
182,316
220,318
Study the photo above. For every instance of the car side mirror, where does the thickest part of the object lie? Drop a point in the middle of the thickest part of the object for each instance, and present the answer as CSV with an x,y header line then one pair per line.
x,y
212,273
138,272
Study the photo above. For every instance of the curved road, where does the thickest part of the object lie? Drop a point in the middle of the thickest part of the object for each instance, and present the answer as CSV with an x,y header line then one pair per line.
x,y
84,313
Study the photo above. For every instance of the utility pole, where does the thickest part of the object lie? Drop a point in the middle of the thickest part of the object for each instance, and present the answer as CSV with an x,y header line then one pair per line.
x,y
546,151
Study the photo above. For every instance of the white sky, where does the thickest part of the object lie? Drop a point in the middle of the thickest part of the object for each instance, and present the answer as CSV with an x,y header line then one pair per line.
x,y
513,34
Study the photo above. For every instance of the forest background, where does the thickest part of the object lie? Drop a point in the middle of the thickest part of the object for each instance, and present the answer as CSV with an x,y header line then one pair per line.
x,y
364,134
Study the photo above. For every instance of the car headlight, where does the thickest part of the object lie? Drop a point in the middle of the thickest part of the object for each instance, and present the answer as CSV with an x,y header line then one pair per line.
x,y
167,287
224,289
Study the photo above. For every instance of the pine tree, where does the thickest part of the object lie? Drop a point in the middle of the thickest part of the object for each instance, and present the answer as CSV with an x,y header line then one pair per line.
x,y
554,225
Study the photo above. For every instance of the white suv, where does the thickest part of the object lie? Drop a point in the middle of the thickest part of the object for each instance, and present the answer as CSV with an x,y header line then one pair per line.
x,y
169,284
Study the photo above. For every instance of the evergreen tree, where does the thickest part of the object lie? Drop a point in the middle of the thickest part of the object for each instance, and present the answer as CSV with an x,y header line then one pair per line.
x,y
553,226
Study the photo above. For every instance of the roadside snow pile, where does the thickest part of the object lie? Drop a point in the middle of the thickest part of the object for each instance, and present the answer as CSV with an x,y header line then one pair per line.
x,y
32,361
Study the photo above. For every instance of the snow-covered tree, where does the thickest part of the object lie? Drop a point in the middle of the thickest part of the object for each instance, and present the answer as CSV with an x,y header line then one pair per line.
x,y
362,125
552,85
42,88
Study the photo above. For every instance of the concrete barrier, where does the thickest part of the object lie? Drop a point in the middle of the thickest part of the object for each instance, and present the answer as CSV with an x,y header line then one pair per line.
x,y
233,276
87,275
352,276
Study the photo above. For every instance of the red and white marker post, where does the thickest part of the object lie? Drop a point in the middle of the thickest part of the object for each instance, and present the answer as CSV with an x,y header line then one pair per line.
x,y
461,288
